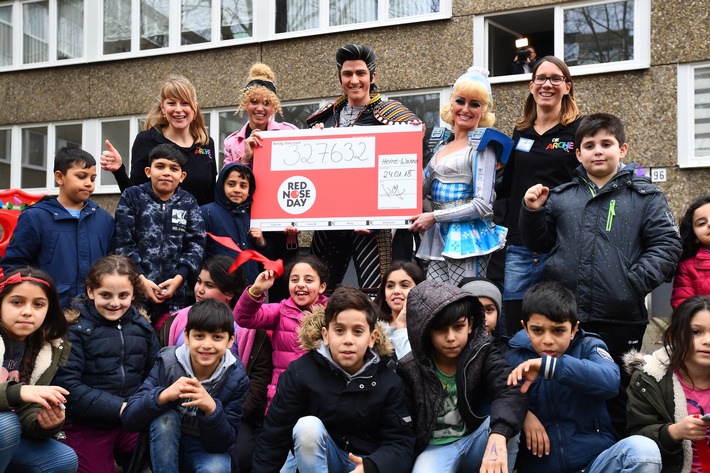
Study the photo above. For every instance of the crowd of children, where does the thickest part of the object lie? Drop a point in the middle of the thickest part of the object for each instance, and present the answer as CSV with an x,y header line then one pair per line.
x,y
424,378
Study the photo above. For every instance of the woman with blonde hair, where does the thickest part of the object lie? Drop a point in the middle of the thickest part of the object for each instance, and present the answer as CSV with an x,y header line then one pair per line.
x,y
459,232
261,103
174,118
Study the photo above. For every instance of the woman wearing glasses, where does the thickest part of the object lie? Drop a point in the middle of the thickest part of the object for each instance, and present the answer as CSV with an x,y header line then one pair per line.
x,y
544,152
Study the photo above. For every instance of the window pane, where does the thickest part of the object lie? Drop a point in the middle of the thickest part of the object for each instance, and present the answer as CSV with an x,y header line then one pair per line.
x,y
599,33
70,29
34,155
343,12
118,133
229,122
297,114
6,35
67,136
5,142
236,19
296,15
426,107
117,26
35,28
196,21
155,21
399,8
702,111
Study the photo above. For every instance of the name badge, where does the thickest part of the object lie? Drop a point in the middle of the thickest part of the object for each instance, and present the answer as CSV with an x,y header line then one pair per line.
x,y
524,144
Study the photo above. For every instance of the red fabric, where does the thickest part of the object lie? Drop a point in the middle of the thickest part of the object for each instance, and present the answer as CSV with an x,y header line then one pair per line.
x,y
249,255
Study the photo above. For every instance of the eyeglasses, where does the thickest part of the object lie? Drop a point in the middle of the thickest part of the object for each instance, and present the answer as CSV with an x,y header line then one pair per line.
x,y
554,80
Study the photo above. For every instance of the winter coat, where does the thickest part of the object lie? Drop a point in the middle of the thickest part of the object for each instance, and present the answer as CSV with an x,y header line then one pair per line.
x,y
225,218
569,398
234,143
481,375
364,413
47,237
254,349
52,355
656,400
217,431
163,239
201,166
692,278
610,246
284,318
109,361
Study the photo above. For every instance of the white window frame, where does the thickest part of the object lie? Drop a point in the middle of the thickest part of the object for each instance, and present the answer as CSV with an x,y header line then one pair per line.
x,y
686,117
642,40
263,30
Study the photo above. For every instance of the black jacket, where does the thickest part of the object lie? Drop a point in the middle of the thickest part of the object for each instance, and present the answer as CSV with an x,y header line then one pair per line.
x,y
610,246
108,362
480,379
365,416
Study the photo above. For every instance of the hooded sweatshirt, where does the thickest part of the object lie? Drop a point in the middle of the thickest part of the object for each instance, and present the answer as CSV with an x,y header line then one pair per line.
x,y
481,375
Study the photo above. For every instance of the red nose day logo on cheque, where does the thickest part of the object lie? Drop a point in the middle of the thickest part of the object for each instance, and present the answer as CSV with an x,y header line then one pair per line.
x,y
296,195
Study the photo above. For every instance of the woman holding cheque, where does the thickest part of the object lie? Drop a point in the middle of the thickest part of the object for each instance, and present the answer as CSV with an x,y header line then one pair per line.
x,y
459,232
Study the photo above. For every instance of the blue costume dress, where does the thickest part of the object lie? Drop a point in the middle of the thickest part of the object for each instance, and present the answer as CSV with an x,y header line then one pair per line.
x,y
461,188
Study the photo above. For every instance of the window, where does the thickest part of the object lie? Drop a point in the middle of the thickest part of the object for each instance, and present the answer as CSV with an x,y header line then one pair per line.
x,y
70,29
117,26
5,150
118,132
591,37
5,35
155,24
694,115
236,16
34,157
35,37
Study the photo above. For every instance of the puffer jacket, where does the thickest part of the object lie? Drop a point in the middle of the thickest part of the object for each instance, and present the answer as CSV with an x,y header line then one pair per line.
x,y
163,239
692,278
47,237
481,376
656,400
52,355
225,218
610,246
364,413
109,361
234,143
284,318
569,398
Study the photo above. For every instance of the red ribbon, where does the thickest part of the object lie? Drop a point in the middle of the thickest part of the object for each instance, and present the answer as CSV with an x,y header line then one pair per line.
x,y
248,255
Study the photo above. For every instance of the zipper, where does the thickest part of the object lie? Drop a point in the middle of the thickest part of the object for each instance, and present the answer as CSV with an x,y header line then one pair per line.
x,y
610,214
123,358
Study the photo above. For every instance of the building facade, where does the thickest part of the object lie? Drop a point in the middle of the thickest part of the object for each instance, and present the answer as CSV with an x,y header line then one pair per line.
x,y
82,71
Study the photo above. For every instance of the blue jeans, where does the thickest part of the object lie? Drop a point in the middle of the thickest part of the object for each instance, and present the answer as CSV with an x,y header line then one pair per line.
x,y
21,454
169,448
635,454
523,269
463,455
314,450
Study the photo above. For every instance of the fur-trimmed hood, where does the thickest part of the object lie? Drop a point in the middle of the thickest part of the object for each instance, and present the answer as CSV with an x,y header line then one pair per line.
x,y
655,364
72,314
310,334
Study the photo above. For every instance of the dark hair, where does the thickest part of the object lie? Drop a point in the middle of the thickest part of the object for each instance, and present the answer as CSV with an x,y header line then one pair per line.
x,y
54,325
357,52
347,297
596,122
234,282
243,171
691,245
678,337
551,299
317,264
569,111
168,151
210,315
468,307
413,271
114,264
67,157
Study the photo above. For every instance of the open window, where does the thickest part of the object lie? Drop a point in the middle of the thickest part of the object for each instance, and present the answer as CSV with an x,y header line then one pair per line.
x,y
591,37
